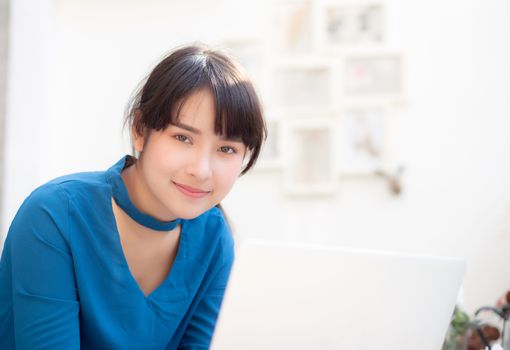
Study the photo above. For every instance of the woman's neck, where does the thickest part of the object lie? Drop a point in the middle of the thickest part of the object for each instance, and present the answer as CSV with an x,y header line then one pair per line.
x,y
140,194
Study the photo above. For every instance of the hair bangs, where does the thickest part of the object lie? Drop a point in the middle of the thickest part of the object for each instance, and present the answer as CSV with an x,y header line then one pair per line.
x,y
236,112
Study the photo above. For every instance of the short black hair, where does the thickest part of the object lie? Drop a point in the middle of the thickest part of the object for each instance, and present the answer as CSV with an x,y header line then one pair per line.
x,y
185,70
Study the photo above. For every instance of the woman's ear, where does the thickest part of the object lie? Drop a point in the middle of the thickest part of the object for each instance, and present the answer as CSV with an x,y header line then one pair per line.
x,y
138,132
138,141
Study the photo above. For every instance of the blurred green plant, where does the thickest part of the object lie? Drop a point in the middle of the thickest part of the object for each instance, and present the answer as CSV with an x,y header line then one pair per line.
x,y
458,331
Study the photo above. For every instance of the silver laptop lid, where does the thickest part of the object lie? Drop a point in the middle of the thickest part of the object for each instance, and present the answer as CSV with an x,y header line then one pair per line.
x,y
290,296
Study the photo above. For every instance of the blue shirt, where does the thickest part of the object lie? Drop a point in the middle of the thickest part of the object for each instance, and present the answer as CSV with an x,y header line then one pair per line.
x,y
65,282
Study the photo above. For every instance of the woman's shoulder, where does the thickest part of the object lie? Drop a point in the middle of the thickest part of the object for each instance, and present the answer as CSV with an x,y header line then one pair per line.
x,y
90,178
215,213
59,186
210,229
57,192
49,205
217,222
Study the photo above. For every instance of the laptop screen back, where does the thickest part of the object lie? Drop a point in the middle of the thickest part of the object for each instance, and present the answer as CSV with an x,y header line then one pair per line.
x,y
288,296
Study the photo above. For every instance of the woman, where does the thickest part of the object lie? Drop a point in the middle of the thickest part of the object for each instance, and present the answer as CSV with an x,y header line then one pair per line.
x,y
138,256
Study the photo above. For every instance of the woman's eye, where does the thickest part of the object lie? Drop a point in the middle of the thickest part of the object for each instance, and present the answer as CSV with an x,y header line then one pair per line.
x,y
227,149
182,138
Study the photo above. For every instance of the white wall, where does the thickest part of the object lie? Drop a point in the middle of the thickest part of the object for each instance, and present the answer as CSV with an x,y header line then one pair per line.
x,y
29,64
74,64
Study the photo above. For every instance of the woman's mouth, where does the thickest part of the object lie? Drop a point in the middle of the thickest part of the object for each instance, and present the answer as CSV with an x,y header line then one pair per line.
x,y
191,191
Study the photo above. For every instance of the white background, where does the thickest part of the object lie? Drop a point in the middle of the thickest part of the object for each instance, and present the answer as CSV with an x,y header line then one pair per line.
x,y
73,65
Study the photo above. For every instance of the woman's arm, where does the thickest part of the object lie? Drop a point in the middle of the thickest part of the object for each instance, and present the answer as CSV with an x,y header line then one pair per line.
x,y
44,295
200,328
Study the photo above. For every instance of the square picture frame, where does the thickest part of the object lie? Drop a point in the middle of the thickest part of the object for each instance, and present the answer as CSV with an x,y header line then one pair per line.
x,y
342,25
353,25
309,155
362,140
372,75
302,84
293,26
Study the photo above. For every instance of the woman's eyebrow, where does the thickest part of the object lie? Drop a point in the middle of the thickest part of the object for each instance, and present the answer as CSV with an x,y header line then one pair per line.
x,y
187,127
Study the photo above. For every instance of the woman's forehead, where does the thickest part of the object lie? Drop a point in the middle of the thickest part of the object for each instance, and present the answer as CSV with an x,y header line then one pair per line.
x,y
197,102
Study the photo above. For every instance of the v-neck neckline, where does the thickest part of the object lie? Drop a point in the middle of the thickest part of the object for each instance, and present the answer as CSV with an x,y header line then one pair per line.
x,y
177,265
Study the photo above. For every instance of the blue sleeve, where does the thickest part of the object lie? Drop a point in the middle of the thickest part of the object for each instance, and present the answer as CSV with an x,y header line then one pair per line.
x,y
45,298
200,329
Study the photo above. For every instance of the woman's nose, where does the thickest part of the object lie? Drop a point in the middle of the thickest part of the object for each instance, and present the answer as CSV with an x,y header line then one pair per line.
x,y
199,166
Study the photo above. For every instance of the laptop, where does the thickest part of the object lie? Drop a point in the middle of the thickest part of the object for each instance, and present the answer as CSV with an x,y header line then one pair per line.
x,y
293,296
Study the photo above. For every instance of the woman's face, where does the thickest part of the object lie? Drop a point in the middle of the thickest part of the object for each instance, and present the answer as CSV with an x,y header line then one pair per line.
x,y
187,169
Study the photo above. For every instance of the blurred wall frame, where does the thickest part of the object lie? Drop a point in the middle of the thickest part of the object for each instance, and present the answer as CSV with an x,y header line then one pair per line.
x,y
304,84
362,140
309,154
342,24
294,23
372,74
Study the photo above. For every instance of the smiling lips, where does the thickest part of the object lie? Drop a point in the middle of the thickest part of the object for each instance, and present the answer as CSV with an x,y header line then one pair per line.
x,y
191,191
